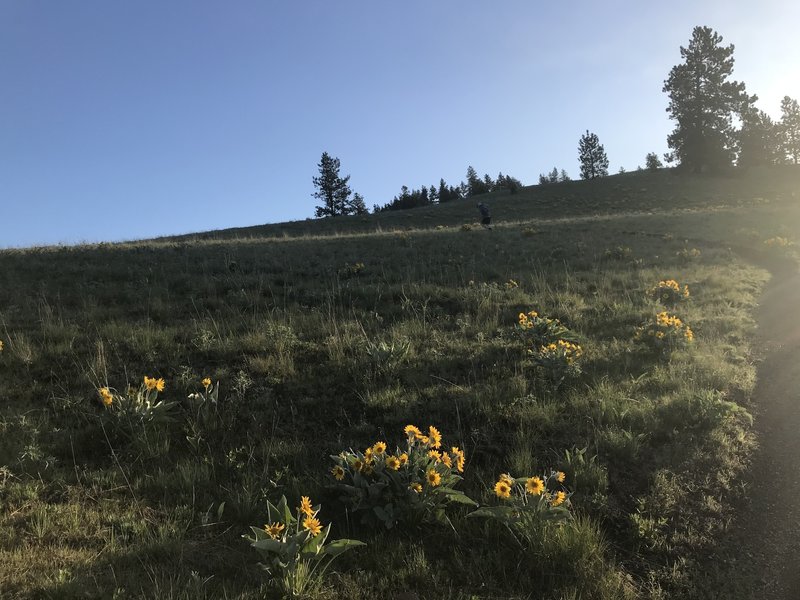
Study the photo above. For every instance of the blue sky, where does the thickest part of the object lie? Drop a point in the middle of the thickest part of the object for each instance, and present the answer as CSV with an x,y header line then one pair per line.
x,y
125,120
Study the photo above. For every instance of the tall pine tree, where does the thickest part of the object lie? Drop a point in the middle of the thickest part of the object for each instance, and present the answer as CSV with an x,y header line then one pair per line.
x,y
331,188
592,156
789,129
703,102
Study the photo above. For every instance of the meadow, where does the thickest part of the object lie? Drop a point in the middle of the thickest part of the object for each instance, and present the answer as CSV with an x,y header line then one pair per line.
x,y
283,351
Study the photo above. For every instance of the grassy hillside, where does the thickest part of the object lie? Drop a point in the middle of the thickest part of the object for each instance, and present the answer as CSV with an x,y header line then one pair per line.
x,y
331,335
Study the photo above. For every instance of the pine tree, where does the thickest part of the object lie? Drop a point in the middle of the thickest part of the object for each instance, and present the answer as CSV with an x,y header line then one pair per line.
x,y
564,176
789,130
703,102
331,189
357,206
507,182
444,192
592,156
652,162
475,185
758,140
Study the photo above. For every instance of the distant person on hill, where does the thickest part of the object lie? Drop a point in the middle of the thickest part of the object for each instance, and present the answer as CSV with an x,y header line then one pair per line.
x,y
486,218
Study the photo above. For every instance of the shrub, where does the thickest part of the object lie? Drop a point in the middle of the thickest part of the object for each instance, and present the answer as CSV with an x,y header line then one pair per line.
x,y
669,292
665,333
527,502
138,415
411,486
293,547
558,360
537,331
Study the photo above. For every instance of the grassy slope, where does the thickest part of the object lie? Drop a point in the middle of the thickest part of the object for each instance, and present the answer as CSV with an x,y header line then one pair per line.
x,y
274,313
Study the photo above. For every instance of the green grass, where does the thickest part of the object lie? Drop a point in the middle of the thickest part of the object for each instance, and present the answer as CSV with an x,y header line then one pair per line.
x,y
314,358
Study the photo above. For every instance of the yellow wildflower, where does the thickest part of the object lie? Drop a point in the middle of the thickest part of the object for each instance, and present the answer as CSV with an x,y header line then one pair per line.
x,y
305,506
435,437
337,472
560,476
448,462
534,485
502,489
106,396
379,448
393,463
412,431
433,477
206,382
437,456
358,464
558,498
274,529
460,458
403,459
151,383
416,487
507,478
313,525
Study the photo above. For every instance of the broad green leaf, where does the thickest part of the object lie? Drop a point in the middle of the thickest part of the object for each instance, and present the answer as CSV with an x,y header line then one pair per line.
x,y
269,545
337,547
314,544
456,496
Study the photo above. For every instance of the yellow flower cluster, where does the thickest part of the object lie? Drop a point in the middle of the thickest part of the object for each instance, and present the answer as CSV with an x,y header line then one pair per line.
x,y
310,521
511,284
528,321
666,329
425,463
151,383
568,350
669,291
365,463
530,486
432,440
206,382
306,512
664,319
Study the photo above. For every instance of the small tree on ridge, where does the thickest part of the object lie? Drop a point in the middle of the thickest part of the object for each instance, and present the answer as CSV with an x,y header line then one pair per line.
x,y
592,156
331,189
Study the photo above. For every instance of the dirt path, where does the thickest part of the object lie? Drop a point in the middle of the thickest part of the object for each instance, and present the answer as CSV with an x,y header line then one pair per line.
x,y
763,557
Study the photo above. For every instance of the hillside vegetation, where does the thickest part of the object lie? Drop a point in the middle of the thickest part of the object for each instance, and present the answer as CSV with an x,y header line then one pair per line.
x,y
327,337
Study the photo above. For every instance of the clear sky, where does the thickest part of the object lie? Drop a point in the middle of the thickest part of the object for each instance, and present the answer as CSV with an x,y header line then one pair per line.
x,y
133,119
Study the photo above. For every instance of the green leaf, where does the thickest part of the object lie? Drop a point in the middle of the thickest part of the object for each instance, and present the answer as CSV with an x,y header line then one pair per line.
x,y
456,496
314,544
258,534
269,545
337,547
